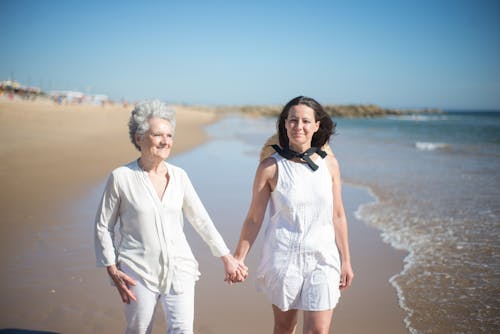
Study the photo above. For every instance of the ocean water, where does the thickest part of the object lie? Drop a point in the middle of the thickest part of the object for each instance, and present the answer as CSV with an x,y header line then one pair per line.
x,y
436,180
437,183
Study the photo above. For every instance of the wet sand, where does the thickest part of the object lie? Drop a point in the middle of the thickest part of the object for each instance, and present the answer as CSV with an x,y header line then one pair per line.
x,y
54,159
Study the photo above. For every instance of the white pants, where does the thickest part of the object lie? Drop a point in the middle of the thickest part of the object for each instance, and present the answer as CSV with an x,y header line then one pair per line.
x,y
178,308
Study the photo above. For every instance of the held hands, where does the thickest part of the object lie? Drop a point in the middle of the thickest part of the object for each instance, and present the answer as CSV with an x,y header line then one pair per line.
x,y
122,283
236,271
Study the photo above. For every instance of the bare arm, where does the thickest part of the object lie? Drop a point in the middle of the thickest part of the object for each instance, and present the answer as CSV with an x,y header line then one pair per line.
x,y
264,183
340,224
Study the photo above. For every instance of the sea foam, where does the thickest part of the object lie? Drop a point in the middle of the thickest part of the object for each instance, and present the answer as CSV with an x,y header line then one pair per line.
x,y
430,146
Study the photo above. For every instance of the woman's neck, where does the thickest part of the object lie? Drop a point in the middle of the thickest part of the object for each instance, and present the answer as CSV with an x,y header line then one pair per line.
x,y
151,165
299,148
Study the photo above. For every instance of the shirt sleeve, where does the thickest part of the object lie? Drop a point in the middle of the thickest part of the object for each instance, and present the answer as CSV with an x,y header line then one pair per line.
x,y
198,217
105,221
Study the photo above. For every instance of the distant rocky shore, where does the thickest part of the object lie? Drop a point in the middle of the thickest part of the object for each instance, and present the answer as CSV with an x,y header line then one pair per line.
x,y
353,110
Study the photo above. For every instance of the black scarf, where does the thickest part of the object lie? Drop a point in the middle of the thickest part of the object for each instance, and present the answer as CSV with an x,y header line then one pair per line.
x,y
306,156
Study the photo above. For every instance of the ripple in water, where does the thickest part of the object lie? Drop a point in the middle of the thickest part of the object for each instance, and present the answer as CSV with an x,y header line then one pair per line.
x,y
449,283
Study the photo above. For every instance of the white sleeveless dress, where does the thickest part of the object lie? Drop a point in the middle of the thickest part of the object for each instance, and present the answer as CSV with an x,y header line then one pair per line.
x,y
300,265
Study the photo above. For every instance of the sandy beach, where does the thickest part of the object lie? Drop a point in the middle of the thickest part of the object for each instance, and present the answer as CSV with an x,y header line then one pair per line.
x,y
53,157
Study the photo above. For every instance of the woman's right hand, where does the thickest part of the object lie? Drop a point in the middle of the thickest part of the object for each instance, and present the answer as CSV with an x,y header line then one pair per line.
x,y
236,271
122,282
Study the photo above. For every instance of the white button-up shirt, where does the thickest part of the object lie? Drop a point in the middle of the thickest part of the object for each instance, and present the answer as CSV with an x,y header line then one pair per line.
x,y
151,236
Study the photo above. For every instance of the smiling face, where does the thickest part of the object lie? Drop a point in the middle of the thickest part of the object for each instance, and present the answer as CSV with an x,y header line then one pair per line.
x,y
300,127
156,143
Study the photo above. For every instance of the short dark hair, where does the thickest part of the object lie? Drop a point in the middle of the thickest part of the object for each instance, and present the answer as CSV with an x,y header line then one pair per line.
x,y
326,124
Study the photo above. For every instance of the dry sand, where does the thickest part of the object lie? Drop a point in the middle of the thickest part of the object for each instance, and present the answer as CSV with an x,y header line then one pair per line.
x,y
53,156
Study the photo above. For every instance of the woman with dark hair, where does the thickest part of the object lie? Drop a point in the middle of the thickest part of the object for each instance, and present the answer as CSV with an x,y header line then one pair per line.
x,y
305,259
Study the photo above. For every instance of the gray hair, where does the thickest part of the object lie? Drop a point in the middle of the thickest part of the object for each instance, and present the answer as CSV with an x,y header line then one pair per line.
x,y
143,112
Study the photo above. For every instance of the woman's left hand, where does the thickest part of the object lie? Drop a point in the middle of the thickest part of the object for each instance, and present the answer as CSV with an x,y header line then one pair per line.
x,y
346,276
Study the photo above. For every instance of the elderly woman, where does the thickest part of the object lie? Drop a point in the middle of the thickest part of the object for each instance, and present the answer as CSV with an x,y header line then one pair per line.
x,y
152,260
305,259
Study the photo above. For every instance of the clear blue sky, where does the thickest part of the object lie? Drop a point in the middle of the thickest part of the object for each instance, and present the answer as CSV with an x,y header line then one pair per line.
x,y
426,53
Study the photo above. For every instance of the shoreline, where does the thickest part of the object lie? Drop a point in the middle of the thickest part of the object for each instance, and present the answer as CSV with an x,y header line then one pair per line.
x,y
46,258
381,307
404,260
423,210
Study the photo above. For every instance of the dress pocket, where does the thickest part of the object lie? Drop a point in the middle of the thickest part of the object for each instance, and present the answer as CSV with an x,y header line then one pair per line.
x,y
281,237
